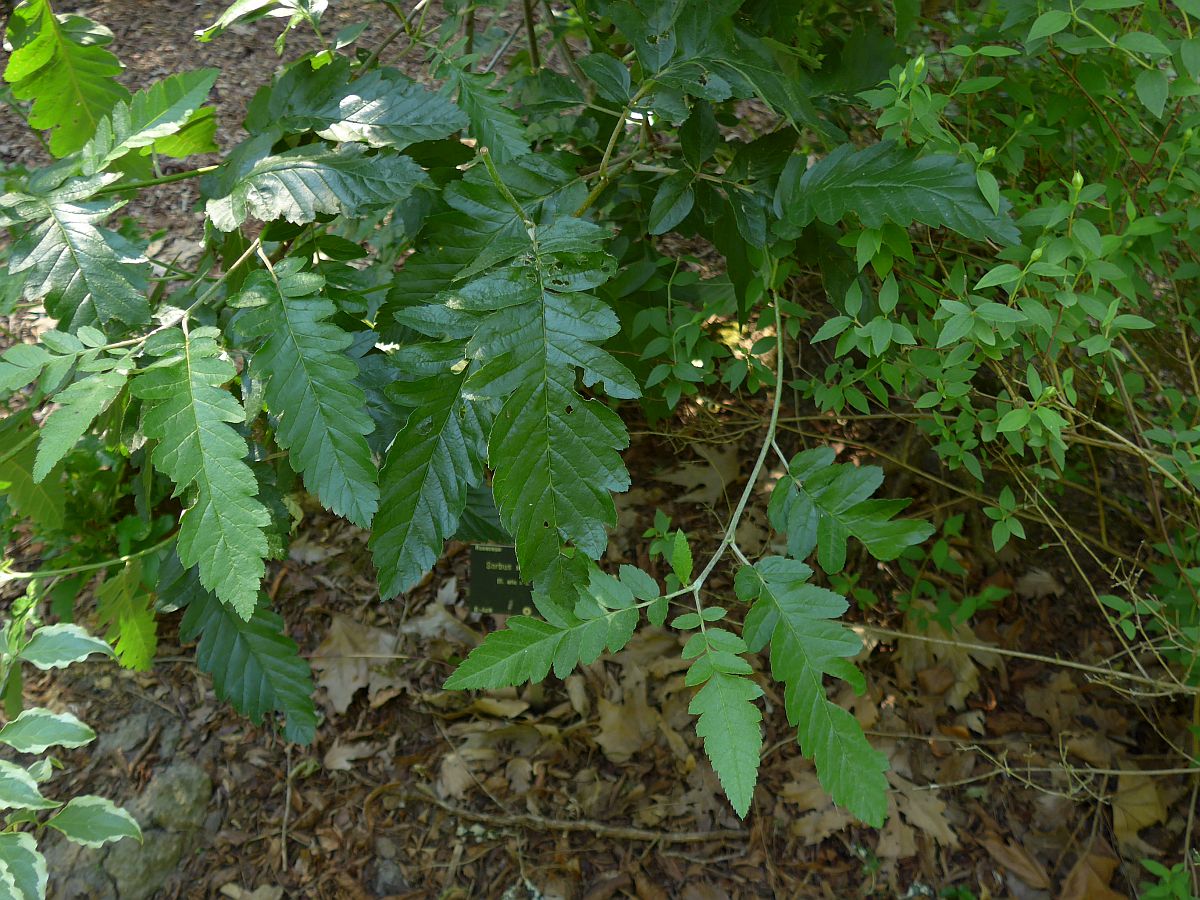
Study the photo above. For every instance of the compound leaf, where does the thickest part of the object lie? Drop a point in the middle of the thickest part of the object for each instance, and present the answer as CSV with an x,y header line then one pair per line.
x,y
77,407
85,273
61,64
729,724
127,610
157,112
477,217
555,454
431,466
495,125
44,502
310,387
806,644
821,504
186,410
886,183
383,108
300,184
253,663
528,649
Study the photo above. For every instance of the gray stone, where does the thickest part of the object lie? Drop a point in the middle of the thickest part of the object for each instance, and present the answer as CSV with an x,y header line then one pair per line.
x,y
75,872
139,870
386,848
130,734
177,797
388,879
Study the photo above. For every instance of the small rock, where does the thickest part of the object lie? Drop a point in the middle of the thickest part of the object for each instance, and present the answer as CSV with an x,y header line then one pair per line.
x,y
130,734
388,879
139,870
386,848
177,798
75,872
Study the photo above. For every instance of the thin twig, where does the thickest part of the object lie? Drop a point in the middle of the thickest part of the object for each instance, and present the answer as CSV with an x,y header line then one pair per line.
x,y
1036,657
287,809
596,829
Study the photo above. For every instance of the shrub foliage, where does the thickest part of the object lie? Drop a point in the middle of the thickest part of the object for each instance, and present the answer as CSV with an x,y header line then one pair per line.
x,y
428,302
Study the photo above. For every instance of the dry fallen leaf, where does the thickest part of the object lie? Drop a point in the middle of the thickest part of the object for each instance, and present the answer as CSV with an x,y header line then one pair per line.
x,y
264,892
1089,879
916,656
499,707
348,656
622,731
341,757
923,809
707,480
1038,583
1017,860
819,817
1137,804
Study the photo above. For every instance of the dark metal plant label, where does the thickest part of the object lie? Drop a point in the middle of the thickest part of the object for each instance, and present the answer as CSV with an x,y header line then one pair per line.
x,y
496,584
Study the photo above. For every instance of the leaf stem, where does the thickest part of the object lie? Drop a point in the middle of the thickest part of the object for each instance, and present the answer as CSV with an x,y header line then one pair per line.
x,y
608,150
87,567
535,57
120,187
182,315
503,189
729,537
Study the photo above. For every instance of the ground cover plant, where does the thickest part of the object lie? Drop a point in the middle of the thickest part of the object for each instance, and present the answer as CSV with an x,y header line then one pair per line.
x,y
432,306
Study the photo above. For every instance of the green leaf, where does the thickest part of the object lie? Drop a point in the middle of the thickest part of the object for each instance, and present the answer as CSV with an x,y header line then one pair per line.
x,y
887,183
492,123
57,646
45,502
796,618
1143,42
821,504
672,202
196,136
383,108
681,558
18,790
310,389
609,75
907,12
253,663
475,217
1152,88
1014,419
76,408
94,821
1005,273
21,364
300,184
37,729
157,112
85,273
26,866
527,649
1047,24
126,609
555,453
252,10
729,724
190,415
431,466
62,66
